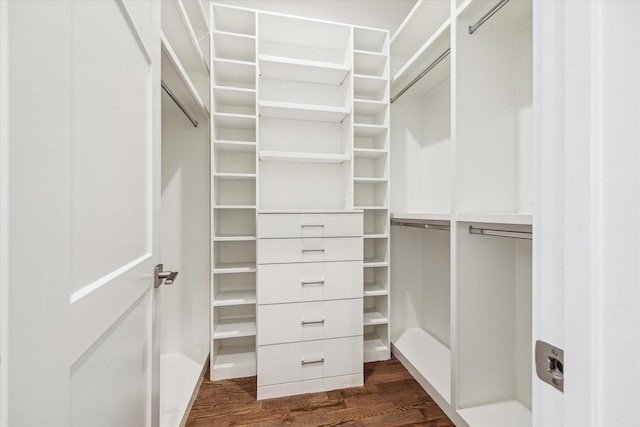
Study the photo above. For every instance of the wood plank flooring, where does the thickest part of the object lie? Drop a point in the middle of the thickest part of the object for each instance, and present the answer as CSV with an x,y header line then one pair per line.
x,y
389,397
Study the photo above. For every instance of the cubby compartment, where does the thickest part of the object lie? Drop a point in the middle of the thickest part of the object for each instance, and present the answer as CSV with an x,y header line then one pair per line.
x,y
370,166
370,139
421,304
421,153
230,127
304,93
370,88
370,194
302,185
426,20
231,158
233,358
494,313
494,110
228,19
298,38
313,138
238,74
232,257
234,100
376,343
235,224
370,112
232,192
376,282
234,321
233,46
234,289
370,40
376,310
370,64
376,252
376,223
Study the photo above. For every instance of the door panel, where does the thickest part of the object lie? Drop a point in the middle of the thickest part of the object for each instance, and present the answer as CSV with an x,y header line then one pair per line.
x,y
83,196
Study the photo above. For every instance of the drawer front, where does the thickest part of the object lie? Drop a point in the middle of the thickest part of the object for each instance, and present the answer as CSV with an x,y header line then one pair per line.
x,y
306,321
310,225
273,251
309,281
283,363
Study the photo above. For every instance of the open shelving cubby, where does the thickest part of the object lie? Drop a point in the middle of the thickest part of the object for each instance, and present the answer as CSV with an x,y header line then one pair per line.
x,y
233,191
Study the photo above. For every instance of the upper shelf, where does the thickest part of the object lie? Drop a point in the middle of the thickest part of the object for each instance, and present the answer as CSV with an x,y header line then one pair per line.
x,y
421,23
178,81
231,19
316,113
370,39
180,33
273,67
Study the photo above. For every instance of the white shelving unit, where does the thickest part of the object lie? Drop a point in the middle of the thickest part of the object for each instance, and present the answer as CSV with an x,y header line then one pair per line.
x,y
371,180
461,157
234,191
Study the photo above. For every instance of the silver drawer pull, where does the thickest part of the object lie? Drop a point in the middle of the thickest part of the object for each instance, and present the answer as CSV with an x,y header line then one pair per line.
x,y
313,322
312,250
313,282
303,362
312,225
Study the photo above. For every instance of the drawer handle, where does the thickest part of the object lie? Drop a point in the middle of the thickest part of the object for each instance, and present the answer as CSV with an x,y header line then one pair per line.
x,y
313,282
312,250
312,225
313,322
310,362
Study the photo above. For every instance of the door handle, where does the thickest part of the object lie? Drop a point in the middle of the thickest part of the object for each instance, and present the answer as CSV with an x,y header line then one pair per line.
x,y
159,276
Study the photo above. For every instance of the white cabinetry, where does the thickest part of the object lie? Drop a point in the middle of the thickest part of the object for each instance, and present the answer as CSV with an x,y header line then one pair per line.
x,y
300,135
462,157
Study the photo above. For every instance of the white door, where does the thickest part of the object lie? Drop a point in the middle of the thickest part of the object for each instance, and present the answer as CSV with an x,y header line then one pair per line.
x,y
587,219
81,83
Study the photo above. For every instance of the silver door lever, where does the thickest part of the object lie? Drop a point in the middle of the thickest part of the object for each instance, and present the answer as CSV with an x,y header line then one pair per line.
x,y
167,276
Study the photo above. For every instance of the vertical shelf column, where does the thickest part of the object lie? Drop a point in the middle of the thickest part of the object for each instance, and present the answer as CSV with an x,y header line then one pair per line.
x,y
371,180
233,192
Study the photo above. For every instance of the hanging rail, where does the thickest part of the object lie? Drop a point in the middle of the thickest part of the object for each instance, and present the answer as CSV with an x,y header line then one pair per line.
x,y
422,74
172,96
485,18
421,225
526,235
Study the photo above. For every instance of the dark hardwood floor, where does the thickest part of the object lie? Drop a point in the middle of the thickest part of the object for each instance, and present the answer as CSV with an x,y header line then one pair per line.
x,y
390,397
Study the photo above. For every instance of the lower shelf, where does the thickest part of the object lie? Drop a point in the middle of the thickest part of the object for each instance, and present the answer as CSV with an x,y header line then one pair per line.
x,y
504,414
234,362
179,377
374,349
429,357
235,328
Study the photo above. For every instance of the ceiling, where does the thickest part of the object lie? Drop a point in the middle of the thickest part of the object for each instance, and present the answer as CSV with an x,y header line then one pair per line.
x,y
387,14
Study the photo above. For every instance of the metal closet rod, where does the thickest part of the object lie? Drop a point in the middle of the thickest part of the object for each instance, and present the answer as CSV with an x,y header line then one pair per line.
x,y
422,225
172,96
526,235
485,18
422,74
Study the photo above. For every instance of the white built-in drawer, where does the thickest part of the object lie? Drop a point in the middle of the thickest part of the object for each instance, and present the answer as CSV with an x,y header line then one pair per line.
x,y
309,281
271,251
310,225
306,321
299,361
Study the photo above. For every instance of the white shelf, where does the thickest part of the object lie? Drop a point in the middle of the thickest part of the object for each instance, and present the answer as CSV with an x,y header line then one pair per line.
x,y
234,206
369,88
178,29
180,377
234,146
178,81
368,153
318,113
227,298
234,362
497,218
374,349
504,414
235,328
371,208
234,268
365,129
373,263
238,47
364,180
235,176
369,39
287,156
373,290
376,236
233,19
274,67
235,121
429,357
425,216
373,317
234,238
